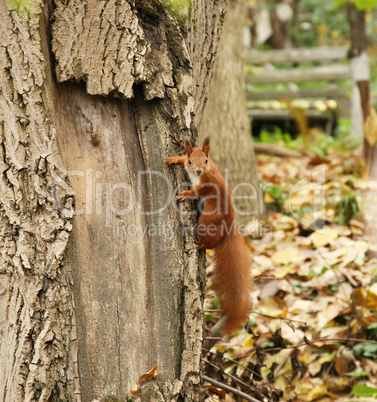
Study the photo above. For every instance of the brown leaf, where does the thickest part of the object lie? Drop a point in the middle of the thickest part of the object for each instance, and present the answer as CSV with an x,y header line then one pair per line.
x,y
153,373
278,340
362,297
217,391
134,391
341,365
297,368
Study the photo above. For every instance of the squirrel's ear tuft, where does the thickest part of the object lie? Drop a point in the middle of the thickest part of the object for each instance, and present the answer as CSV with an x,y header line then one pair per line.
x,y
188,146
206,146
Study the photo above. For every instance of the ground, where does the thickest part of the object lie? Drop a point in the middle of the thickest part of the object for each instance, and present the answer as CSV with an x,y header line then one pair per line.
x,y
313,333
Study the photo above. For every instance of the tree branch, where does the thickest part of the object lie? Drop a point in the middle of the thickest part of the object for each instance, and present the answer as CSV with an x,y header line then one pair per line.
x,y
234,391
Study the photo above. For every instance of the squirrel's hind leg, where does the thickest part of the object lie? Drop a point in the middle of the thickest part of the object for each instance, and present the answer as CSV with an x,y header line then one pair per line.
x,y
210,231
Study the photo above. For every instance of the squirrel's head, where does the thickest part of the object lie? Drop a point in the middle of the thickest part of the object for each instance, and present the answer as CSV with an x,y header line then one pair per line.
x,y
198,158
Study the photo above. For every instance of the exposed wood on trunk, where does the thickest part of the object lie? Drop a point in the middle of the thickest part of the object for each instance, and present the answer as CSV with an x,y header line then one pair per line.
x,y
130,274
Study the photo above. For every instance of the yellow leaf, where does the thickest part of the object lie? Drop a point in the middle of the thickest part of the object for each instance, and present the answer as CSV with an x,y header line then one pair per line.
x,y
326,358
328,313
322,239
285,223
153,373
284,256
362,297
314,368
134,391
268,199
281,383
371,301
250,341
319,391
282,272
370,127
373,288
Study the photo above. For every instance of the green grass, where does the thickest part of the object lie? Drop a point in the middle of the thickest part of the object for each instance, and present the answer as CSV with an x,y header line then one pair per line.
x,y
322,144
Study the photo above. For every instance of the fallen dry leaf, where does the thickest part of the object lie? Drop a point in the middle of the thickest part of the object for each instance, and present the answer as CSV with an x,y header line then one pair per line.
x,y
341,365
285,256
364,298
323,239
313,281
153,373
217,391
134,391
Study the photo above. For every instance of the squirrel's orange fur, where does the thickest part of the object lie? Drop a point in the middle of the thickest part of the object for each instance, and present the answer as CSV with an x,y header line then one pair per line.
x,y
217,230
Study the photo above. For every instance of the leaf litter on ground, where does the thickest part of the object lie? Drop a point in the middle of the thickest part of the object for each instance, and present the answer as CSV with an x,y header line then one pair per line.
x,y
313,333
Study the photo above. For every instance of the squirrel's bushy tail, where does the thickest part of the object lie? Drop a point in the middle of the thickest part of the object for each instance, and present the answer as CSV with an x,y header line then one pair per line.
x,y
233,281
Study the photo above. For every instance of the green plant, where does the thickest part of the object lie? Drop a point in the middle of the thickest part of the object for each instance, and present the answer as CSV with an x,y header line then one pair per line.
x,y
360,4
347,209
111,398
322,24
364,391
371,331
267,344
278,195
179,8
366,349
275,137
358,374
298,288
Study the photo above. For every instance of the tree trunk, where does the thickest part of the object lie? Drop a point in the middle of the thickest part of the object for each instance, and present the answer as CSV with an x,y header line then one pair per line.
x,y
361,107
361,82
225,118
100,276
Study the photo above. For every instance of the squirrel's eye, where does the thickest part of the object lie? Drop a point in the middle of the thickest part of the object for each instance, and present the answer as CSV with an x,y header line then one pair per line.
x,y
189,162
206,160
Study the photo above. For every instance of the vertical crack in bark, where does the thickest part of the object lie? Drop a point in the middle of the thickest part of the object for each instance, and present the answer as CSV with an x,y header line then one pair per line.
x,y
146,200
118,335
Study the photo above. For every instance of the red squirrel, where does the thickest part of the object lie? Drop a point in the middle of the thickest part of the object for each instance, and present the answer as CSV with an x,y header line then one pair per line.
x,y
217,229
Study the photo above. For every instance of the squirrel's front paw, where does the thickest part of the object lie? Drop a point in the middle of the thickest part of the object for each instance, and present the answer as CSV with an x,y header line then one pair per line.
x,y
181,196
170,160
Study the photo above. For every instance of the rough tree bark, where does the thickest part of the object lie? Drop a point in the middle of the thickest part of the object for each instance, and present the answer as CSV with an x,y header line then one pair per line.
x,y
225,117
93,299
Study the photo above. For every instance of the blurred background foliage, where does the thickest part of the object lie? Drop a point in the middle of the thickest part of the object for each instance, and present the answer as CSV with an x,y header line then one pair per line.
x,y
321,23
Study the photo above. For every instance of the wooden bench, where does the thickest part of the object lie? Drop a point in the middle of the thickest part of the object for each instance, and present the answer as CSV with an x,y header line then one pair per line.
x,y
328,65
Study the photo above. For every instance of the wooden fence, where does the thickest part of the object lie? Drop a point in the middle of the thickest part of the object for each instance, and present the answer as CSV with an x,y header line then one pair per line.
x,y
290,67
